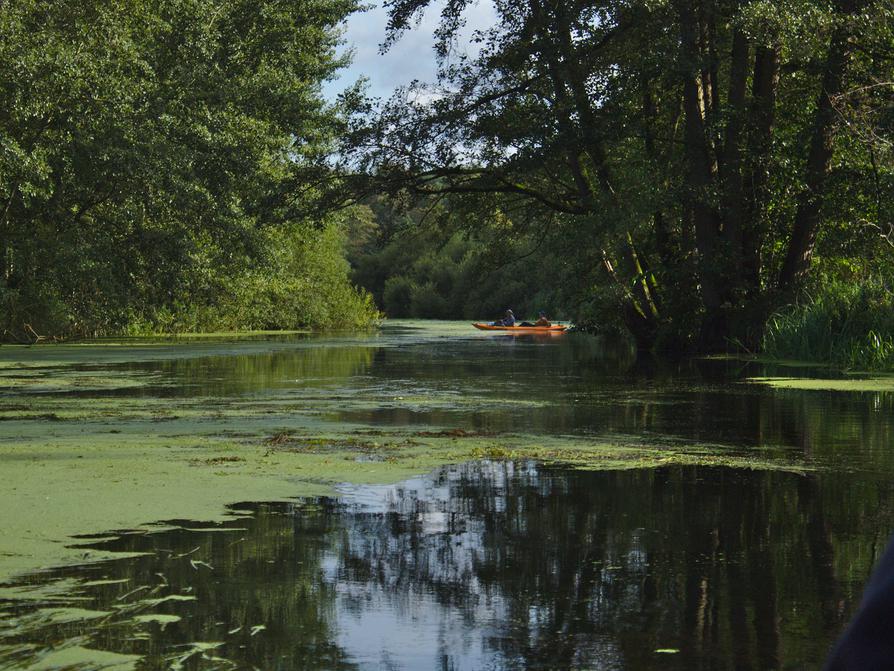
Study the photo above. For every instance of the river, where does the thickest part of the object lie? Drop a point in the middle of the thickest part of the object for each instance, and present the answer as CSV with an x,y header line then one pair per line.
x,y
728,524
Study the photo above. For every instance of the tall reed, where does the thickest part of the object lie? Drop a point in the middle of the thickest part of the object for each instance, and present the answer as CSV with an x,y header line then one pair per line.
x,y
850,325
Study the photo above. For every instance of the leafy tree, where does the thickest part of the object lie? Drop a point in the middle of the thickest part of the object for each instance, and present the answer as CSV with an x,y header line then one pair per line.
x,y
147,147
439,260
692,152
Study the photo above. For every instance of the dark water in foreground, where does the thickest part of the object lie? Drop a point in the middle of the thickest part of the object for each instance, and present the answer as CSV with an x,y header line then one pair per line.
x,y
493,565
507,565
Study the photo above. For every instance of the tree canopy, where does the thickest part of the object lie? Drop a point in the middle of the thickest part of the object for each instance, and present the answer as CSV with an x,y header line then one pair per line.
x,y
706,157
150,150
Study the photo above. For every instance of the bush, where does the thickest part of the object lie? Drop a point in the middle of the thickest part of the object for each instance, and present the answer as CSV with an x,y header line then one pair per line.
x,y
302,283
398,296
38,306
428,303
299,280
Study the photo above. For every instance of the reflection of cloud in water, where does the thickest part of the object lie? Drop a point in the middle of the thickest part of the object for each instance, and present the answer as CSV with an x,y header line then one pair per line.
x,y
369,633
440,542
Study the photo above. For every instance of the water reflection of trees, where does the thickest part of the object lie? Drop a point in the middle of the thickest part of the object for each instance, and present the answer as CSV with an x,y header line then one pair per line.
x,y
740,569
248,598
584,387
573,386
230,374
504,566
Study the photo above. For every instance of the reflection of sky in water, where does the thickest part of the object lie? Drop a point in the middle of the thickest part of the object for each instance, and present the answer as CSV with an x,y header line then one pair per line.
x,y
372,634
435,493
448,550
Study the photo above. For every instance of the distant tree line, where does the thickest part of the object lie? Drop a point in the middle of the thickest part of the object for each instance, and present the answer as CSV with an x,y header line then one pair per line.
x,y
700,163
438,261
156,163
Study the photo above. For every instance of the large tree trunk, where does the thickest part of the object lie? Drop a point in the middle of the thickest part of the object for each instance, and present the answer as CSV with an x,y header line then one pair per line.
x,y
576,79
810,200
562,102
732,195
762,113
641,313
710,78
659,224
699,183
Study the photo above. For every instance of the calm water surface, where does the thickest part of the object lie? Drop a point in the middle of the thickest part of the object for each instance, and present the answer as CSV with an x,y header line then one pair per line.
x,y
502,565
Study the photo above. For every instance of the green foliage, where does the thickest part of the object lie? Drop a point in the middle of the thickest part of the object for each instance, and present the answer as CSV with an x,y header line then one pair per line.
x,y
147,150
847,324
688,161
421,269
304,283
299,281
397,299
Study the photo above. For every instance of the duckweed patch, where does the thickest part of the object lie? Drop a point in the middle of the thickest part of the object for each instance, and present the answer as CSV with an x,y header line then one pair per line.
x,y
847,384
287,441
492,452
454,433
29,416
80,657
215,461
50,616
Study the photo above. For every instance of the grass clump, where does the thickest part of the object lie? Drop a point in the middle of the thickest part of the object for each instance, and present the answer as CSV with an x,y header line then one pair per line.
x,y
849,325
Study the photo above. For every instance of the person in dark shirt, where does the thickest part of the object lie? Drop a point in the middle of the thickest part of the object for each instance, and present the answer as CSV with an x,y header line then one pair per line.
x,y
868,642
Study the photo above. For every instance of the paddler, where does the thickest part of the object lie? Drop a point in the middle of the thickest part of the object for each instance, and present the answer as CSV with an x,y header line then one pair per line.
x,y
541,321
508,320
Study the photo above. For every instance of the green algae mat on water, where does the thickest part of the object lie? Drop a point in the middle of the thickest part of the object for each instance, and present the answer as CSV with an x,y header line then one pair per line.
x,y
810,376
845,384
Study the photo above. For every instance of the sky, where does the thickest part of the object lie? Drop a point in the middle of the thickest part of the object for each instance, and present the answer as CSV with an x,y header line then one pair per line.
x,y
412,57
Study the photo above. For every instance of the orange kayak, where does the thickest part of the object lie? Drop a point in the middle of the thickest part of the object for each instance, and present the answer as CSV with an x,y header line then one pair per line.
x,y
554,329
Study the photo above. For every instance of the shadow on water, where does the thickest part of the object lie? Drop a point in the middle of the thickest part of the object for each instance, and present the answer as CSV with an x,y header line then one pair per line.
x,y
486,565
